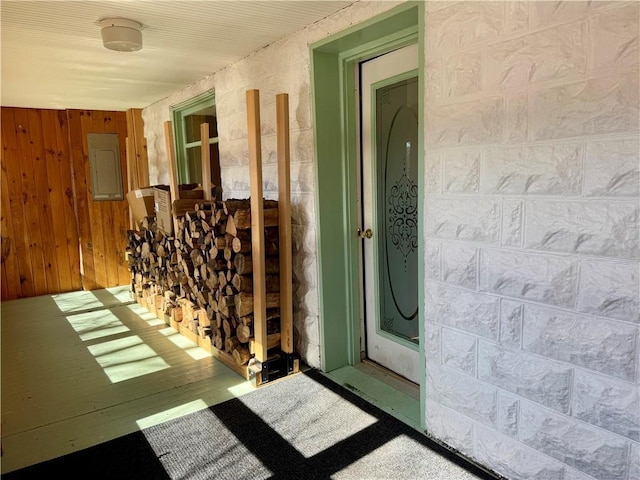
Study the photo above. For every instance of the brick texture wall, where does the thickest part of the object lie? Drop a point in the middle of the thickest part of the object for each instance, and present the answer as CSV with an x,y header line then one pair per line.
x,y
531,235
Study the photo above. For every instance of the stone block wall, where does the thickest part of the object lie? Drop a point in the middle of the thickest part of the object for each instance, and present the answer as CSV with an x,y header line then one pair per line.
x,y
532,294
531,248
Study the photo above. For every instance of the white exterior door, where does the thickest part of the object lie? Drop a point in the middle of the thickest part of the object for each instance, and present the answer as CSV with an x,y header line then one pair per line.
x,y
389,190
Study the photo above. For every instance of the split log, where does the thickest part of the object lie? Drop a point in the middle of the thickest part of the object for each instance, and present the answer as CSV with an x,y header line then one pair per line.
x,y
272,314
244,333
244,283
241,242
228,328
230,344
217,339
230,226
243,264
242,218
241,354
244,302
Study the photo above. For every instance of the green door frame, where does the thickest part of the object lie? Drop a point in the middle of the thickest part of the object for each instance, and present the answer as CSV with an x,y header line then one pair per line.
x,y
333,61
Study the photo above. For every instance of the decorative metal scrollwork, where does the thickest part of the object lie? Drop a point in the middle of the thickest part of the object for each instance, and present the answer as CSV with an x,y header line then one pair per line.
x,y
402,218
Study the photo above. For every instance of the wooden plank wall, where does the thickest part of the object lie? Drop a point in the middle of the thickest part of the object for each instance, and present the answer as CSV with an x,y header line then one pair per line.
x,y
139,174
40,252
102,225
47,219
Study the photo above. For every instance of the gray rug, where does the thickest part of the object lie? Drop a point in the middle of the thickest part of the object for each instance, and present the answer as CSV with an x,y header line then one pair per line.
x,y
302,427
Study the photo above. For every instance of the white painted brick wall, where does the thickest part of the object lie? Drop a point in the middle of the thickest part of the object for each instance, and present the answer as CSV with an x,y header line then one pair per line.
x,y
536,115
532,184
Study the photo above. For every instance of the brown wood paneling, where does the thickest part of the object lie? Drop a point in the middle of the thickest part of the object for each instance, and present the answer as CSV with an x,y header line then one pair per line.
x,y
43,201
69,208
47,215
12,217
39,253
33,233
57,185
13,209
74,119
96,209
102,224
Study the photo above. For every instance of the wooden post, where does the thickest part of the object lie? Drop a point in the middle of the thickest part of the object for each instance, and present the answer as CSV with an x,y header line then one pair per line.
x,y
257,226
135,132
205,155
132,174
173,169
284,221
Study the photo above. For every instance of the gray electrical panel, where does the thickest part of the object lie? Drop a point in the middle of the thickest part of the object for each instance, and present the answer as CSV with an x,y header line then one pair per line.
x,y
104,165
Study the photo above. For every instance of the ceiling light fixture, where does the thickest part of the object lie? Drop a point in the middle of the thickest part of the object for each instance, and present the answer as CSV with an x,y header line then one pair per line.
x,y
121,34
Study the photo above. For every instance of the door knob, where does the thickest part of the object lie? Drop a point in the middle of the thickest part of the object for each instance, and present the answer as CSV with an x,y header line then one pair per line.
x,y
368,233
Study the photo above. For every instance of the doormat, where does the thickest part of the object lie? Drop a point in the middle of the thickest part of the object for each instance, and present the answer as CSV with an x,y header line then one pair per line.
x,y
301,427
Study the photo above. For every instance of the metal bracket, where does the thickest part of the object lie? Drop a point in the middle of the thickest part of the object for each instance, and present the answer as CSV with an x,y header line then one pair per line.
x,y
278,366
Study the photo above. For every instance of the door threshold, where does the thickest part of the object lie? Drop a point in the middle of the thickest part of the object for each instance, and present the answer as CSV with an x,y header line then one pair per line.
x,y
389,377
394,395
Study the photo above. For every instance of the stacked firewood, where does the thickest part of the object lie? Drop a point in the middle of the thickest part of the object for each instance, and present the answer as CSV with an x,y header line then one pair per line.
x,y
205,271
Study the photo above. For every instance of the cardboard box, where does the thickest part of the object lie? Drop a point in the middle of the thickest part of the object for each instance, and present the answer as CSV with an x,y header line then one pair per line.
x,y
162,206
162,203
141,204
191,191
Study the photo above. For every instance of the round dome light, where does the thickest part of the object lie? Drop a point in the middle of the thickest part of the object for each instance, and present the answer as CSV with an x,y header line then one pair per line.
x,y
121,34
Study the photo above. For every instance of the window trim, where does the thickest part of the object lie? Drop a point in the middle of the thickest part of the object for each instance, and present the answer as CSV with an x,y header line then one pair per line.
x,y
179,112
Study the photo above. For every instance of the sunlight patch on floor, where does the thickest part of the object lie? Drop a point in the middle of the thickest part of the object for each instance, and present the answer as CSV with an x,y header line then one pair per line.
x,y
127,358
76,301
171,413
324,411
144,314
87,300
431,466
121,293
155,322
202,446
185,344
241,389
97,324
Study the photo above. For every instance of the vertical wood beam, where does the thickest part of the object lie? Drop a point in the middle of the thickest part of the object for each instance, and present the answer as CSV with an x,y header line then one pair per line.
x,y
205,154
173,170
135,131
142,159
130,143
132,176
67,176
284,222
257,226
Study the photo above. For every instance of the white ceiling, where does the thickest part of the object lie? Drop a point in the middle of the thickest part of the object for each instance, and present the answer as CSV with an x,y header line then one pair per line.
x,y
52,53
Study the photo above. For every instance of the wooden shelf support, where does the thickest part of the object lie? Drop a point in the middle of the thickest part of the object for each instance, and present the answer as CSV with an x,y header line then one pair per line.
x,y
257,226
131,174
205,155
284,221
173,168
